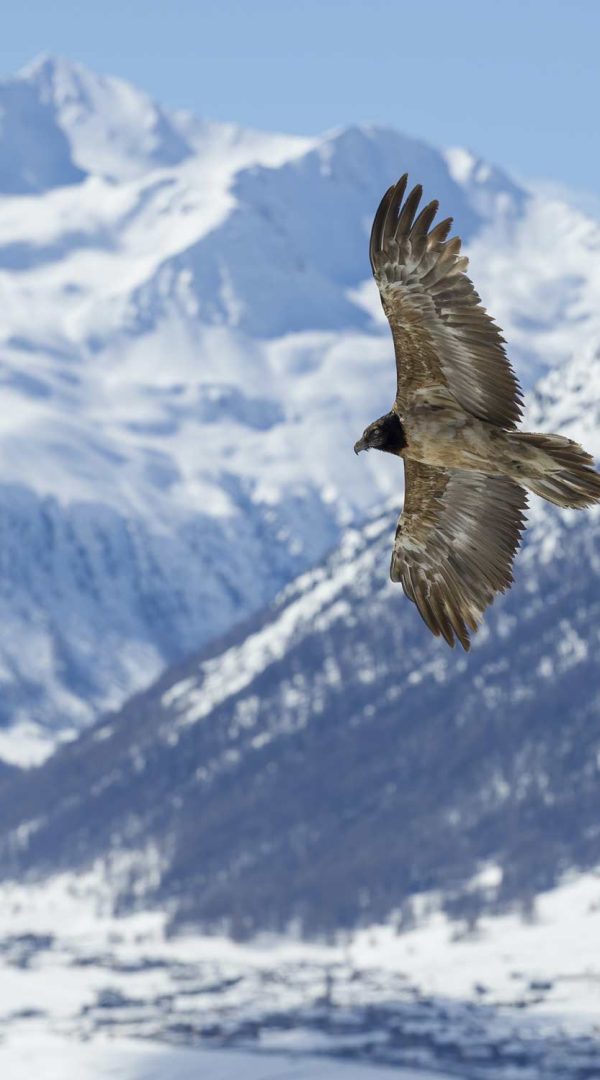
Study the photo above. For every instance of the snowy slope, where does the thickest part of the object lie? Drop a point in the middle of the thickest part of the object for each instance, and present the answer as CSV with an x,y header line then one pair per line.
x,y
338,707
190,344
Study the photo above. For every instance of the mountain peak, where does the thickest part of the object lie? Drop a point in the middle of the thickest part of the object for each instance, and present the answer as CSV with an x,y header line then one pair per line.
x,y
50,66
35,151
58,80
114,129
225,303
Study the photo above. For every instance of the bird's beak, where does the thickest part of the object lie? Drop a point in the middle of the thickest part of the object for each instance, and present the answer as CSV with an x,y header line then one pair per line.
x,y
360,445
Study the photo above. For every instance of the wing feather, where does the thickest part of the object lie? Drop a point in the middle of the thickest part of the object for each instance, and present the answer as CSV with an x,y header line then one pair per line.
x,y
455,544
442,333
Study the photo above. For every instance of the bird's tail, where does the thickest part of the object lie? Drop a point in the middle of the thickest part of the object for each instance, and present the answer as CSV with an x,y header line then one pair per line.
x,y
557,468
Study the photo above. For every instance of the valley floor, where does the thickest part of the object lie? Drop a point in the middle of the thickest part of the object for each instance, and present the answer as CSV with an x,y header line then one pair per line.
x,y
54,1058
87,996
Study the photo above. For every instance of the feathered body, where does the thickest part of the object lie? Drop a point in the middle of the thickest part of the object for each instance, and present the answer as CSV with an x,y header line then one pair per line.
x,y
454,424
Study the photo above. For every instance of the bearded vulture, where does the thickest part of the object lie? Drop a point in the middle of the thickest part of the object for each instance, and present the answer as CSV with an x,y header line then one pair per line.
x,y
454,424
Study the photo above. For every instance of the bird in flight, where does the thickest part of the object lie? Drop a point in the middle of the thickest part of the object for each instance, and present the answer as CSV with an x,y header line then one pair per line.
x,y
454,424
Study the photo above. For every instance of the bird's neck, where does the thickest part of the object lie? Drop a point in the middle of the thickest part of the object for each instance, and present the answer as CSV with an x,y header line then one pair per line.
x,y
395,436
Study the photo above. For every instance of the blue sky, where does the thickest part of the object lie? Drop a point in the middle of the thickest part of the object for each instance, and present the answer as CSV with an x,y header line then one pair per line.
x,y
518,82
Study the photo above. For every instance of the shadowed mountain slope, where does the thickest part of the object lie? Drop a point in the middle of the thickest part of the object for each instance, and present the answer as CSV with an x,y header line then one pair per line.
x,y
327,761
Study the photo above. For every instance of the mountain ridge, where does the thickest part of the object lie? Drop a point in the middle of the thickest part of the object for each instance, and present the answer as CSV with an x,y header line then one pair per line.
x,y
337,707
207,345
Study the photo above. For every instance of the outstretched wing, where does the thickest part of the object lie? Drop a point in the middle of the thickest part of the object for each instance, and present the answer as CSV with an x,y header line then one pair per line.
x,y
455,544
442,334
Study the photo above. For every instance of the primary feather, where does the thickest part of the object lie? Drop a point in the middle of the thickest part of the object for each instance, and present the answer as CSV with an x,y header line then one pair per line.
x,y
441,331
455,544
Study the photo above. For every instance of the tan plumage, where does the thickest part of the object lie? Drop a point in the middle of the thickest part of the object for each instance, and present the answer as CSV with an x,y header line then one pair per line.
x,y
455,543
453,422
441,331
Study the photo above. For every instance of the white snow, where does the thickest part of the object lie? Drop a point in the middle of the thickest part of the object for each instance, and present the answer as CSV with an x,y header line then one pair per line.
x,y
26,743
461,163
558,941
231,671
50,1025
178,414
52,1057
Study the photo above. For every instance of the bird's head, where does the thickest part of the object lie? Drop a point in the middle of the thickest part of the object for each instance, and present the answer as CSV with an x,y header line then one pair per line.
x,y
386,434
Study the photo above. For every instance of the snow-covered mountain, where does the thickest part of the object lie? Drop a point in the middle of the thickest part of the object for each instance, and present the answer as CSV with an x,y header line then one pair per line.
x,y
329,769
190,343
330,759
